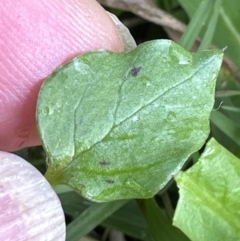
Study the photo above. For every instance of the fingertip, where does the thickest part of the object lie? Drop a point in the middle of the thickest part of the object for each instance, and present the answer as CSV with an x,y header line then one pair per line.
x,y
35,38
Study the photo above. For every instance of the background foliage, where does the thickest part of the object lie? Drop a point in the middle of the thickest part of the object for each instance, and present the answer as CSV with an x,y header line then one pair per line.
x,y
195,25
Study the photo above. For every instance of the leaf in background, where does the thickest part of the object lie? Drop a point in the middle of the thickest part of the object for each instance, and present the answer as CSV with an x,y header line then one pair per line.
x,y
119,126
160,227
209,207
227,28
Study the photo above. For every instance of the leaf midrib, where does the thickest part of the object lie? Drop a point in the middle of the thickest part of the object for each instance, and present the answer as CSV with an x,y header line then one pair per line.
x,y
210,202
212,58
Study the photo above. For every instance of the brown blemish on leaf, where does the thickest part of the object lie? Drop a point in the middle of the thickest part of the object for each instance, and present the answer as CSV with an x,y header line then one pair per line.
x,y
135,70
104,163
80,121
110,181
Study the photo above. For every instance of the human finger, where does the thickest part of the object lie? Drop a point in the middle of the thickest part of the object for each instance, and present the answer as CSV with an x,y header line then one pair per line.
x,y
35,38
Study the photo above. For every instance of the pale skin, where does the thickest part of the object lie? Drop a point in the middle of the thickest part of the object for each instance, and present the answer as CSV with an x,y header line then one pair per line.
x,y
36,37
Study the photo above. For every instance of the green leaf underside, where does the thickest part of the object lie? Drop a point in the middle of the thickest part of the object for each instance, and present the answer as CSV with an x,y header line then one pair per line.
x,y
209,196
119,126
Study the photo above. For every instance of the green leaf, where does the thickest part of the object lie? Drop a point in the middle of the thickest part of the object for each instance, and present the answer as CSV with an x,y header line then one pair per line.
x,y
209,207
119,126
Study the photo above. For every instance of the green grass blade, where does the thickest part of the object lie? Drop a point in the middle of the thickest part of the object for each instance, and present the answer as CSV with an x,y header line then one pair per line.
x,y
59,189
192,32
226,125
227,29
230,108
160,227
227,93
128,219
90,218
208,35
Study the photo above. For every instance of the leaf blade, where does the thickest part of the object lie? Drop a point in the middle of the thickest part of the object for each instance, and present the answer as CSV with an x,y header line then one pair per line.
x,y
114,111
210,191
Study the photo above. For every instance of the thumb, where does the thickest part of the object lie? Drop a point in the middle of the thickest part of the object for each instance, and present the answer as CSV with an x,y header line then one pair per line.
x,y
35,38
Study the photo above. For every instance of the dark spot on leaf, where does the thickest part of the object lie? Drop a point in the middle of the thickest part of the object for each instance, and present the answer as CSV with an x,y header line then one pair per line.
x,y
104,163
82,186
110,181
135,70
80,121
